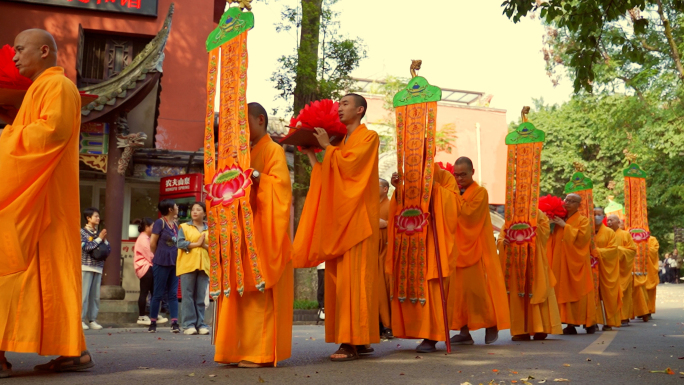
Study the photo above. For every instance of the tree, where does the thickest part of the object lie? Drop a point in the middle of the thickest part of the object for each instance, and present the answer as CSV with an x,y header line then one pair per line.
x,y
319,68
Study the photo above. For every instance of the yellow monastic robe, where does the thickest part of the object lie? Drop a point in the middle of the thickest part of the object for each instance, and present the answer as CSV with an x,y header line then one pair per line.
x,y
609,275
40,248
477,292
257,326
568,251
653,276
383,280
542,308
411,320
340,225
627,249
639,293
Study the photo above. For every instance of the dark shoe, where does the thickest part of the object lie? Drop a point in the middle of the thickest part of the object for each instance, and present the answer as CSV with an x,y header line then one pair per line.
x,y
491,335
427,346
152,328
521,337
175,328
5,373
67,364
387,334
569,330
460,339
625,322
364,350
540,336
591,329
607,328
646,318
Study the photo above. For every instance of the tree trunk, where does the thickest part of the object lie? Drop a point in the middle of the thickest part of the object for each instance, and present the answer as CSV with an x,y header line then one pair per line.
x,y
304,93
670,39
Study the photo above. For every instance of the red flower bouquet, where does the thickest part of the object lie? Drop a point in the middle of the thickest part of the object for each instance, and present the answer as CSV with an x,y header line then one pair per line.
x,y
552,206
321,113
448,166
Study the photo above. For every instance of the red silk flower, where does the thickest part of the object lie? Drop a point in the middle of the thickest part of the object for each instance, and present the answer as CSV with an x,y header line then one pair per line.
x,y
552,206
448,166
320,113
9,74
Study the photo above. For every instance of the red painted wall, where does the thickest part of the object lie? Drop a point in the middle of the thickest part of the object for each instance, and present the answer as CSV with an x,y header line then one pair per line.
x,y
493,130
183,95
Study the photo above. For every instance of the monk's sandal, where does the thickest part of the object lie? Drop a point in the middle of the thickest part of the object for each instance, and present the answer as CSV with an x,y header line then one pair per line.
x,y
67,364
5,373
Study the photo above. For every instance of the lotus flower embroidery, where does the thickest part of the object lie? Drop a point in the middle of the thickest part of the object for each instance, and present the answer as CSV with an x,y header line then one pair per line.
x,y
411,220
520,233
639,235
228,185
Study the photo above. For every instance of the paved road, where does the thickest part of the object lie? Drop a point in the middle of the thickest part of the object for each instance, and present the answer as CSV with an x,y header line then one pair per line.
x,y
132,356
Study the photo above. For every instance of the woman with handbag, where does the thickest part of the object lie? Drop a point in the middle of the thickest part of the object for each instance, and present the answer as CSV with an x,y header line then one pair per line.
x,y
94,251
163,244
192,267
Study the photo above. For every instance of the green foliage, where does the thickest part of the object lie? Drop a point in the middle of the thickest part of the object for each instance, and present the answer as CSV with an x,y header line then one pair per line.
x,y
445,137
336,58
595,131
303,304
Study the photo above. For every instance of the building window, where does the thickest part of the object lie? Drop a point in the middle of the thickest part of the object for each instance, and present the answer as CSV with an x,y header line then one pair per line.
x,y
102,56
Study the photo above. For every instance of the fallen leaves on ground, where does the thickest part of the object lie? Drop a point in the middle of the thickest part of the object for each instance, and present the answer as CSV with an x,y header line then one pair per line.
x,y
143,367
212,375
666,371
419,357
566,364
561,380
495,370
466,383
191,375
261,380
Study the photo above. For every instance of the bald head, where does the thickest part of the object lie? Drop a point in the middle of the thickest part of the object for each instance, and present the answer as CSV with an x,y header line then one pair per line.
x,y
35,51
613,221
463,172
572,203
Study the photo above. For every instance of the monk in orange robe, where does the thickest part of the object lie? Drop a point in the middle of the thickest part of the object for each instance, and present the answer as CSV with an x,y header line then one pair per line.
x,y
426,321
383,282
627,250
653,277
40,272
340,225
255,329
477,292
569,254
542,316
609,272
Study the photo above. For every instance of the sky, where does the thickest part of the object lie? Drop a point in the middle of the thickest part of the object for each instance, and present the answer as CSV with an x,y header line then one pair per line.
x,y
464,44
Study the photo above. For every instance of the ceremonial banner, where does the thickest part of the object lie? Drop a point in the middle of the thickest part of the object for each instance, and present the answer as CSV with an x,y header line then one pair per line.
x,y
416,112
636,218
522,196
584,187
228,180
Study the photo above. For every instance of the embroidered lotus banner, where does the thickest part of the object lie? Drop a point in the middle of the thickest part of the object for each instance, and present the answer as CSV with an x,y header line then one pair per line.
x,y
228,180
636,218
584,187
416,117
523,165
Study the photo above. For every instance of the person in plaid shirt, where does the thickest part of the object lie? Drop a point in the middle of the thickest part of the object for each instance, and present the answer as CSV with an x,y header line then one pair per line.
x,y
91,270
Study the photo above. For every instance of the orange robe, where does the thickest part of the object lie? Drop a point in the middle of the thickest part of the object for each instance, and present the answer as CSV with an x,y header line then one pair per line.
x,y
257,326
653,277
542,308
411,320
383,281
40,267
477,292
569,254
340,225
609,275
627,249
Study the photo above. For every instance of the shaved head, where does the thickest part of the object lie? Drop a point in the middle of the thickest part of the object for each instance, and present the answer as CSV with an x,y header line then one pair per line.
x,y
258,121
384,189
613,221
463,172
35,51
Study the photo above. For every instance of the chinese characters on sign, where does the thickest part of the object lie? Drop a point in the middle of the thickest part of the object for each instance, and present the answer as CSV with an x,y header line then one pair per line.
x,y
181,184
137,7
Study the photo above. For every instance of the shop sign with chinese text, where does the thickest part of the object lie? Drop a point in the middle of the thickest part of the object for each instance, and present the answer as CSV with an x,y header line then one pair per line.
x,y
136,7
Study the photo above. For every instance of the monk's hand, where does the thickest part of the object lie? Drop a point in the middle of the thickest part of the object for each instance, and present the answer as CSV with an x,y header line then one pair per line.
x,y
322,136
383,223
557,220
256,179
8,113
395,179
